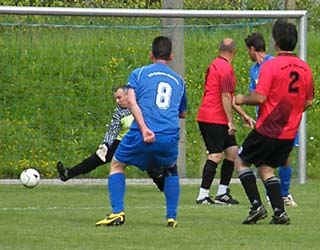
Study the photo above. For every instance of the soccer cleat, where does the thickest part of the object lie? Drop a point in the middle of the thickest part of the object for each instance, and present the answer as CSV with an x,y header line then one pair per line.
x,y
63,172
255,215
172,223
225,199
112,220
283,219
288,201
205,201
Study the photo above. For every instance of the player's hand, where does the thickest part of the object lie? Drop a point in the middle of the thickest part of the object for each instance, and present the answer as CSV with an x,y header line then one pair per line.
x,y
148,136
232,128
250,122
102,152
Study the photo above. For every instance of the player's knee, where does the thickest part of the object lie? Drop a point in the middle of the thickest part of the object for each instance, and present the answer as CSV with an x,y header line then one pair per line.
x,y
171,171
215,157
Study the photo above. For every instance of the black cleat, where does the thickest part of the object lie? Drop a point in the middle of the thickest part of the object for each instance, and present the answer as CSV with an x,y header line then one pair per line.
x,y
283,219
225,199
63,172
255,215
205,201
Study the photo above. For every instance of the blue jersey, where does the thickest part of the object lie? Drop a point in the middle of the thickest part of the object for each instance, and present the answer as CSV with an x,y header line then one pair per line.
x,y
161,96
255,71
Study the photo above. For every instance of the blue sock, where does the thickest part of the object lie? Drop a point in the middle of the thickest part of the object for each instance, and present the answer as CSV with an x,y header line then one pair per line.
x,y
285,179
172,194
117,189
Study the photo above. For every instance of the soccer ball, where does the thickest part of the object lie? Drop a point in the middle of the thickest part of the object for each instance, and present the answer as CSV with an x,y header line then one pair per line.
x,y
30,177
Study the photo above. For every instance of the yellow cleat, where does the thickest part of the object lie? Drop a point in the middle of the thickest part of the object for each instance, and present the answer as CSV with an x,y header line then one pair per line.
x,y
172,223
112,220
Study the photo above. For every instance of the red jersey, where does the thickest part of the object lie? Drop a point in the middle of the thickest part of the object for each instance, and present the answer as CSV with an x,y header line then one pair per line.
x,y
287,83
220,78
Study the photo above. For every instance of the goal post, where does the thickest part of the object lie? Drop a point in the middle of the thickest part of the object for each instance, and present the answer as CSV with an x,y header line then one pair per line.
x,y
300,15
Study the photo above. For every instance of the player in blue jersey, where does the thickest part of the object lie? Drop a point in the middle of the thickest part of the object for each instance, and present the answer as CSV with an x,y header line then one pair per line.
x,y
257,52
157,99
118,127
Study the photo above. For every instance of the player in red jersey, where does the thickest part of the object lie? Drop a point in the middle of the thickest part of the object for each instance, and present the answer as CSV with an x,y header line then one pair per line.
x,y
215,120
284,92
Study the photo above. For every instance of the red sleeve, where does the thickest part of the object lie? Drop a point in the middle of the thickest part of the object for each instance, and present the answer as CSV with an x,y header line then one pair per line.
x,y
227,83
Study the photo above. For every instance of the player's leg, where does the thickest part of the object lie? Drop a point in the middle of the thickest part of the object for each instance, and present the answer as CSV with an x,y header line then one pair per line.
x,y
285,173
223,193
251,152
172,194
272,185
101,156
131,151
157,175
213,139
117,188
279,151
86,166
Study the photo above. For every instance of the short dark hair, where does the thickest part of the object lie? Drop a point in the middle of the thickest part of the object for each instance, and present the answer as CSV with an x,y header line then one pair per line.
x,y
256,41
123,87
161,47
285,35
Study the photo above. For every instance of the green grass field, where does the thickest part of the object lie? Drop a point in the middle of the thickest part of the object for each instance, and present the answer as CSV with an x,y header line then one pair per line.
x,y
64,216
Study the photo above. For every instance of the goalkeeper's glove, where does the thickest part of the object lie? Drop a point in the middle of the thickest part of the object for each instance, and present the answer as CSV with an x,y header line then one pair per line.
x,y
102,152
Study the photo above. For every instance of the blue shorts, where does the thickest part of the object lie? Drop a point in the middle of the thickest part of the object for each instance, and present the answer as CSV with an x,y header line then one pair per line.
x,y
134,151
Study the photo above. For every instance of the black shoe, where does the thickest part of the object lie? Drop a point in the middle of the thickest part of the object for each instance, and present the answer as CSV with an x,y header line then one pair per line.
x,y
63,172
205,201
225,199
255,215
283,219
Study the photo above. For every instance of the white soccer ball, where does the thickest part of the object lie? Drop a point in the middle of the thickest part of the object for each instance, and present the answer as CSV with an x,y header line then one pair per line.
x,y
30,177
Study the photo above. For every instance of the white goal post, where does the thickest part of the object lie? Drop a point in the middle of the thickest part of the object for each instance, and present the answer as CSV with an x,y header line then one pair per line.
x,y
301,15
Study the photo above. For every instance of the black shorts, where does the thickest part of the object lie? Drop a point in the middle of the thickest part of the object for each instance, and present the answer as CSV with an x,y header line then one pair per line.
x,y
260,150
216,137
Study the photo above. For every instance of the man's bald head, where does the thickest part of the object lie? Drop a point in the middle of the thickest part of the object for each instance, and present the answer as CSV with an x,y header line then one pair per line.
x,y
227,45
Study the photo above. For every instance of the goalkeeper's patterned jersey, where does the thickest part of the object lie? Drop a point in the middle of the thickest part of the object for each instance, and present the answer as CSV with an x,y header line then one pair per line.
x,y
119,126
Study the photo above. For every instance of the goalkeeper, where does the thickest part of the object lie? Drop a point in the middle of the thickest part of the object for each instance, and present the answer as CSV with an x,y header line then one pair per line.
x,y
119,126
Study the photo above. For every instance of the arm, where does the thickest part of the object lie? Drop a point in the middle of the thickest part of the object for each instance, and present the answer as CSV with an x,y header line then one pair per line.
x,y
148,135
227,106
183,115
246,118
114,127
251,99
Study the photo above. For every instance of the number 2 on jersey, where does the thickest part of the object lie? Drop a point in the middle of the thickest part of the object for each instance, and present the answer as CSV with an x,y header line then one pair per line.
x,y
293,88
